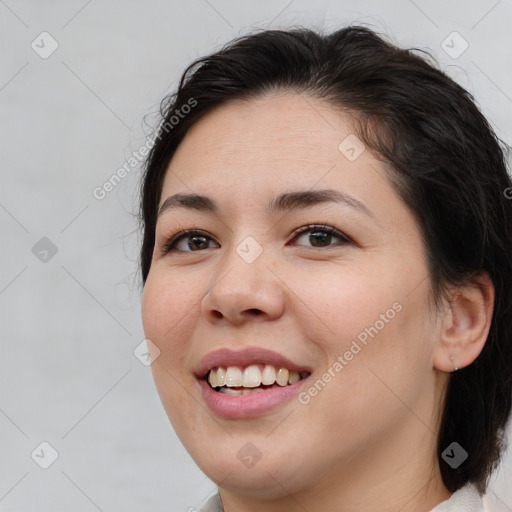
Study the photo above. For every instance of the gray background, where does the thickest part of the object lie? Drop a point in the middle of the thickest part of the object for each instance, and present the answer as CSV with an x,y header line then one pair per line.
x,y
70,321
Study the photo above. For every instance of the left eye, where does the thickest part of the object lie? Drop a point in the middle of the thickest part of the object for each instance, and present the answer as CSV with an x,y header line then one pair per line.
x,y
321,236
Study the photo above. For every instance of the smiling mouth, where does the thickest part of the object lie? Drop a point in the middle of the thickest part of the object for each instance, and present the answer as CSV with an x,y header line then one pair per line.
x,y
236,381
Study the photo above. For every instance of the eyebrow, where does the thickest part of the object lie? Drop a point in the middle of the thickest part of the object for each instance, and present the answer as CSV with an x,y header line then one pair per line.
x,y
283,203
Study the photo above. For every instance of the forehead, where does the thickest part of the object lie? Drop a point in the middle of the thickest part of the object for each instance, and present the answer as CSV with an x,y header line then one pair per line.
x,y
272,122
281,136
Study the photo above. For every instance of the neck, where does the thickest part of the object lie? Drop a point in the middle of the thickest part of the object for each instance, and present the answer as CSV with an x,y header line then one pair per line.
x,y
365,486
400,474
396,470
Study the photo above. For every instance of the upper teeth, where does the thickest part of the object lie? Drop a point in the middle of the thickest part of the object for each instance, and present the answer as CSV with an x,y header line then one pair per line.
x,y
251,376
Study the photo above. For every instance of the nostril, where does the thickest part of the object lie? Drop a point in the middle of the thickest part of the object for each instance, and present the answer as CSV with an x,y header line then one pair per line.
x,y
255,311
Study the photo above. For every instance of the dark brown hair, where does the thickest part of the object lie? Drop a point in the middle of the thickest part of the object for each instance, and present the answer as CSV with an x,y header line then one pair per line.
x,y
444,160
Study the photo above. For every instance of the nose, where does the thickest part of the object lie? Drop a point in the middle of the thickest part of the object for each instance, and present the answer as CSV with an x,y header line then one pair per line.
x,y
241,291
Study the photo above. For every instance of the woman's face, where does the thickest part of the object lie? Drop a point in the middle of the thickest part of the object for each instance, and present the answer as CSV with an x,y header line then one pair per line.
x,y
348,303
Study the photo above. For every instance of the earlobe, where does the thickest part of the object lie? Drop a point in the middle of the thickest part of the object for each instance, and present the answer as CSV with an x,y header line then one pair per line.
x,y
465,324
455,367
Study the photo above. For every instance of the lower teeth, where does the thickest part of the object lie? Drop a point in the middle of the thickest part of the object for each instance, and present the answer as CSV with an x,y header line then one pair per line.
x,y
241,391
237,392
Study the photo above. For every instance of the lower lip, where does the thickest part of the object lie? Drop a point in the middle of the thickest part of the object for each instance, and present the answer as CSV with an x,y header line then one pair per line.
x,y
248,406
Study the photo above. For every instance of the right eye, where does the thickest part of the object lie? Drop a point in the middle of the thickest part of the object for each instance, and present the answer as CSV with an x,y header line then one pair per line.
x,y
190,240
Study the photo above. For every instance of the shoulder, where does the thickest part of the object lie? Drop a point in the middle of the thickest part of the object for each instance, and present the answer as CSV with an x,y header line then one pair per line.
x,y
466,499
214,504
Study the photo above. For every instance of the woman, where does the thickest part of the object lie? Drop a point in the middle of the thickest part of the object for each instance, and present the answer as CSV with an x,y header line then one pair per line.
x,y
327,277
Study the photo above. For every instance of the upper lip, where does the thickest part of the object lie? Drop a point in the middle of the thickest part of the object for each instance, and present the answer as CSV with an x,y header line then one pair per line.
x,y
253,355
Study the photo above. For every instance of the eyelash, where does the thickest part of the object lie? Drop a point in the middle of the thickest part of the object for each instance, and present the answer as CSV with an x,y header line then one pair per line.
x,y
183,233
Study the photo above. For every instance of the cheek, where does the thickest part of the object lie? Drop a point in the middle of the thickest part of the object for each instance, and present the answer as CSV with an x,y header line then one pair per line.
x,y
370,320
166,300
169,310
387,358
344,301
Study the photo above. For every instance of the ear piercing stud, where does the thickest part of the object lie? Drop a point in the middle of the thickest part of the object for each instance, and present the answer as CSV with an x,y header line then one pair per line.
x,y
453,362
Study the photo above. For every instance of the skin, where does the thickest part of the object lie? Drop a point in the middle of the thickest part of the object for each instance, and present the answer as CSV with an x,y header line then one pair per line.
x,y
367,441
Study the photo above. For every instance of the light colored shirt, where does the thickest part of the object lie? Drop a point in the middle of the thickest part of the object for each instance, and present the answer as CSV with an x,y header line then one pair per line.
x,y
213,505
466,499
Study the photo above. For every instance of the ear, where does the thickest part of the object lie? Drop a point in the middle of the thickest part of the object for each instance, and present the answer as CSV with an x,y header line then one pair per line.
x,y
466,323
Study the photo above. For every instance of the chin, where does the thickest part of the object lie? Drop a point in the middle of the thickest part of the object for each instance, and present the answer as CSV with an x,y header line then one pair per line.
x,y
269,477
260,483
